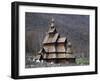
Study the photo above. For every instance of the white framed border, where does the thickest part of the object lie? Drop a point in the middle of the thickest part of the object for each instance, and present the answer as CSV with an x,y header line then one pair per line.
x,y
54,70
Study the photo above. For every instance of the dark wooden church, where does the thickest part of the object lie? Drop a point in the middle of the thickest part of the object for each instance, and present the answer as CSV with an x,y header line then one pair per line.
x,y
55,48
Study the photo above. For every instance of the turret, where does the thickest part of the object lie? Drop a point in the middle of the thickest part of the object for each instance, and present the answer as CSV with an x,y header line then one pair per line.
x,y
52,23
52,29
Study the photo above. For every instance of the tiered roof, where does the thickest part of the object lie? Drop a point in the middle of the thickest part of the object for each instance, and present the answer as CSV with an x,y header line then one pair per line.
x,y
52,30
61,40
54,46
50,39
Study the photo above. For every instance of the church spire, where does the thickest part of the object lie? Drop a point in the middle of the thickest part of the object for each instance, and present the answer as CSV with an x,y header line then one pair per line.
x,y
52,23
52,29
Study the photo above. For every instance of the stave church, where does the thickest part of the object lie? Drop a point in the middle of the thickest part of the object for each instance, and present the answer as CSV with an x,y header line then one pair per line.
x,y
55,49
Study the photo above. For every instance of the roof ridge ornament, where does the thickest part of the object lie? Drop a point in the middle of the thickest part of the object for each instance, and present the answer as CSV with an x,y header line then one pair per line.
x,y
52,22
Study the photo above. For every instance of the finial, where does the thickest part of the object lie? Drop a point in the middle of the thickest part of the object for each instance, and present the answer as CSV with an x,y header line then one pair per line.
x,y
52,23
52,20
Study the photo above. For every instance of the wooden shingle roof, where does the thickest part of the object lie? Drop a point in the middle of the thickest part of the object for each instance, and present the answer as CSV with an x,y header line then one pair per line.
x,y
70,56
42,50
50,56
52,30
61,40
60,48
50,49
49,39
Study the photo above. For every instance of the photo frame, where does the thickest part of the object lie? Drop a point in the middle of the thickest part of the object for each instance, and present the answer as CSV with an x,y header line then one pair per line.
x,y
52,40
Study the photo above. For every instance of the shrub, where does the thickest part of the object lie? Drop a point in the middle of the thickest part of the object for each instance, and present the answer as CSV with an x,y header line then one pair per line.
x,y
82,61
